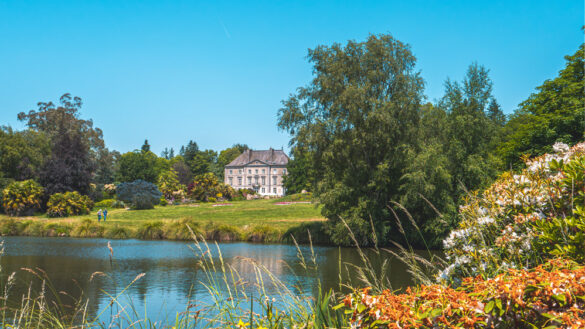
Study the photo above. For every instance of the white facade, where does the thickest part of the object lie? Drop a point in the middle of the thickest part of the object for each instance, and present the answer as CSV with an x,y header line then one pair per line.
x,y
254,170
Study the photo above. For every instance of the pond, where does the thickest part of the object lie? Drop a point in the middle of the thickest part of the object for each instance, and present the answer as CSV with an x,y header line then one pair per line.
x,y
172,277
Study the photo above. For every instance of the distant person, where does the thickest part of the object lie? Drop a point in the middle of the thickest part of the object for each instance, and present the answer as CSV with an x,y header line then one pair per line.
x,y
99,213
105,214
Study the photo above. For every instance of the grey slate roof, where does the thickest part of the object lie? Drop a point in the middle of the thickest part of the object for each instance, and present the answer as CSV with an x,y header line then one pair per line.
x,y
271,157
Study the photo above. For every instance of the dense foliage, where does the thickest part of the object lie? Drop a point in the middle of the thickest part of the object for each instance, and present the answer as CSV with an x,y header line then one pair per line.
x,y
357,120
374,154
168,184
556,113
137,165
22,153
68,204
139,194
69,168
522,218
206,187
550,295
22,198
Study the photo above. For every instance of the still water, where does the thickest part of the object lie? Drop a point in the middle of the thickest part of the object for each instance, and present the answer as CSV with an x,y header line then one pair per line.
x,y
172,277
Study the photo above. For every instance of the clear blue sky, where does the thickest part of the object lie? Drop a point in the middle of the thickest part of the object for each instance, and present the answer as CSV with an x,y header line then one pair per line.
x,y
216,71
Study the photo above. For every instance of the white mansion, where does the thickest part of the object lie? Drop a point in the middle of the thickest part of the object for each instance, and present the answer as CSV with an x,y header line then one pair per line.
x,y
261,171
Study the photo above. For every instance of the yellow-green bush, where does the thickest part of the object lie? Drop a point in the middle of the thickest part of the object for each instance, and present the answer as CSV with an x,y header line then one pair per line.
x,y
68,204
22,198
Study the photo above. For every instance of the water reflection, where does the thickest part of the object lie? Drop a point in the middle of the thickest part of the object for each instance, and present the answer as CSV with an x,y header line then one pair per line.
x,y
172,276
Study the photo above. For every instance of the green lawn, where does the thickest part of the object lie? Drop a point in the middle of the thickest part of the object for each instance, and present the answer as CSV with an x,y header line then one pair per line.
x,y
240,214
246,217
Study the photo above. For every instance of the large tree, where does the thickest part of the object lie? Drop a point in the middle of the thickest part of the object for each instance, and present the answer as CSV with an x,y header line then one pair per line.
x,y
55,119
69,168
22,153
228,155
357,119
106,166
473,126
298,177
556,113
137,165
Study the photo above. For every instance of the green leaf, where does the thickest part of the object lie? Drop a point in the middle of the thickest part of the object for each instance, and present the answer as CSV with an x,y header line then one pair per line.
x,y
489,306
338,306
561,299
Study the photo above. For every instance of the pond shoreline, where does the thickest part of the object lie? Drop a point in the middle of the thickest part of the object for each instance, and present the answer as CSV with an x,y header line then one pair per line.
x,y
245,221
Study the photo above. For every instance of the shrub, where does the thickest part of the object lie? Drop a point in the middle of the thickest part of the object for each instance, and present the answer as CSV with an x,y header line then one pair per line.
x,y
205,187
177,229
522,220
264,233
118,204
88,229
551,295
110,189
106,203
68,204
116,232
311,232
151,230
222,232
168,183
9,227
58,229
22,198
139,194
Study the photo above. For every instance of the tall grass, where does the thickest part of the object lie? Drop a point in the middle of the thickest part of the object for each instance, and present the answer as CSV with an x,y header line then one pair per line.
x,y
233,299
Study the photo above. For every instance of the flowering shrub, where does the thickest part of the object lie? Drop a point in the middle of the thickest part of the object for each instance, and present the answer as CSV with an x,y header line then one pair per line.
x,y
169,185
206,187
110,189
552,294
522,220
22,198
109,203
68,204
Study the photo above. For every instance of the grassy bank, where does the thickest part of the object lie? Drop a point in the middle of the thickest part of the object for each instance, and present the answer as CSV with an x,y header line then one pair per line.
x,y
255,220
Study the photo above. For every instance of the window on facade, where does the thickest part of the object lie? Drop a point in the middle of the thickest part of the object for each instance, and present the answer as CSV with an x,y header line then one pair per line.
x,y
230,171
249,180
249,171
256,170
263,171
240,171
231,180
263,180
273,180
240,181
274,190
263,190
256,179
283,171
275,171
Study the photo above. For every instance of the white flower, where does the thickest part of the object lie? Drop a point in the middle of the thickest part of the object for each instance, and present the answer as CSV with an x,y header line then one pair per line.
x,y
486,220
560,147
